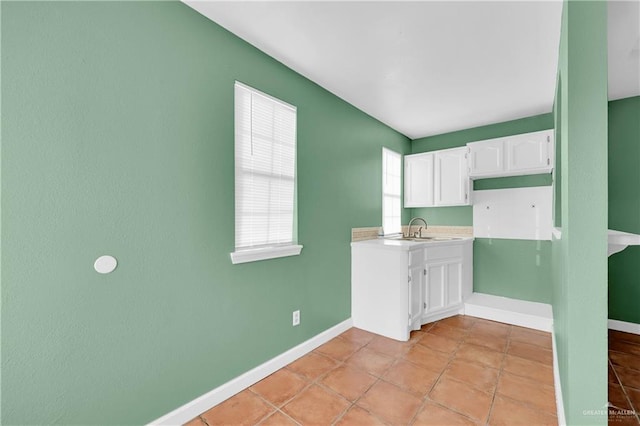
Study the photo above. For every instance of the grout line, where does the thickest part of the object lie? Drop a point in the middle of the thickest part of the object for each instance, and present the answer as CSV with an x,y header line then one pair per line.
x,y
500,371
624,391
426,399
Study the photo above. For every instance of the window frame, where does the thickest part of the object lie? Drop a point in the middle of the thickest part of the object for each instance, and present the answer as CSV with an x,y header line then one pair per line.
x,y
252,253
386,229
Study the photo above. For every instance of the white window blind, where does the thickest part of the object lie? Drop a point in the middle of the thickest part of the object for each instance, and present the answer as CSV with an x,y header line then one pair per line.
x,y
391,191
265,153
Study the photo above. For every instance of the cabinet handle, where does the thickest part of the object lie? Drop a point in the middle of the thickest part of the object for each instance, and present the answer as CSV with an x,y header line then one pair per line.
x,y
425,272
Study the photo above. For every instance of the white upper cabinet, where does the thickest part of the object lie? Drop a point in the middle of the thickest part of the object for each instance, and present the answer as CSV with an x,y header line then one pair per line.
x,y
436,178
526,154
451,177
486,157
530,151
418,180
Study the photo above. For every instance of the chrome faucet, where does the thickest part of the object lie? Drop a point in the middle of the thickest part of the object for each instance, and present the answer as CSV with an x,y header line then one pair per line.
x,y
419,233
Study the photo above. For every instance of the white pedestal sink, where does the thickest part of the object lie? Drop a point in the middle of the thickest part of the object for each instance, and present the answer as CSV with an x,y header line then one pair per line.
x,y
619,241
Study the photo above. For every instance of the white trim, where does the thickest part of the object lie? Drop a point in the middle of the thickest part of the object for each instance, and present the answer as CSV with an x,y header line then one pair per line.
x,y
265,95
538,316
264,253
562,421
214,397
627,327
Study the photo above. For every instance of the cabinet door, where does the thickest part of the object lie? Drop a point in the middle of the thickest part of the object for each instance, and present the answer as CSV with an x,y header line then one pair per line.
x,y
416,296
529,152
418,180
454,284
451,177
443,286
435,287
486,157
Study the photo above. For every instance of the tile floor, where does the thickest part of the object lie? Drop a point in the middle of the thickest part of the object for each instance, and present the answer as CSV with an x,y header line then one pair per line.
x,y
624,378
459,370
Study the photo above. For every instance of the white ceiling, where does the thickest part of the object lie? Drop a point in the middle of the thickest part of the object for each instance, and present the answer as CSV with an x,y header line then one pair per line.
x,y
624,49
425,67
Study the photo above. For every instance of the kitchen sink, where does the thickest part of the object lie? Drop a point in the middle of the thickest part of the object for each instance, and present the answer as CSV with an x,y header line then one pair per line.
x,y
428,239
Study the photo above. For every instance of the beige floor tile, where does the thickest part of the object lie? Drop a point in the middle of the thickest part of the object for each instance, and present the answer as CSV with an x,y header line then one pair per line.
x,y
279,387
357,336
349,382
390,347
530,352
453,333
507,412
529,369
338,348
477,375
435,415
428,358
390,403
497,343
462,398
278,419
245,408
439,343
312,365
459,321
411,377
357,416
532,337
480,354
527,392
491,328
370,361
315,406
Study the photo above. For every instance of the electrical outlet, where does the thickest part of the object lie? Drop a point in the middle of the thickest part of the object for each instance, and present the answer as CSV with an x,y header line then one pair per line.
x,y
296,318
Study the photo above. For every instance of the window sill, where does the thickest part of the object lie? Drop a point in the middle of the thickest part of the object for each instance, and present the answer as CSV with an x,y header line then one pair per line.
x,y
254,255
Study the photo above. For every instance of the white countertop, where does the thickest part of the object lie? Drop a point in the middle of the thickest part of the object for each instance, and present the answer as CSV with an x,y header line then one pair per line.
x,y
398,243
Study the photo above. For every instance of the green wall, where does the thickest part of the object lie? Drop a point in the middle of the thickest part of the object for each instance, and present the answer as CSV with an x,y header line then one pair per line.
x,y
519,269
117,138
624,207
510,268
579,258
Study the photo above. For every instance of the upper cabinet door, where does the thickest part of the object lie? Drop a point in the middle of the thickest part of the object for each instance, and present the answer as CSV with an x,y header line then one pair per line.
x,y
451,177
486,157
418,180
530,152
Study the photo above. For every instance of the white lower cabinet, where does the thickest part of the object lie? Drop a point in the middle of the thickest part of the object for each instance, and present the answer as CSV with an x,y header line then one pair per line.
x,y
398,288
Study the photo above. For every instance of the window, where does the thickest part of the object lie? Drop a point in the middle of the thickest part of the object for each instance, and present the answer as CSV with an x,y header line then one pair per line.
x,y
265,176
391,191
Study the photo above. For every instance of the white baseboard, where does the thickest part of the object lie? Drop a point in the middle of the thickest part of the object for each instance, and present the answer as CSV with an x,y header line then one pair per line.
x,y
538,316
627,327
214,397
562,421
